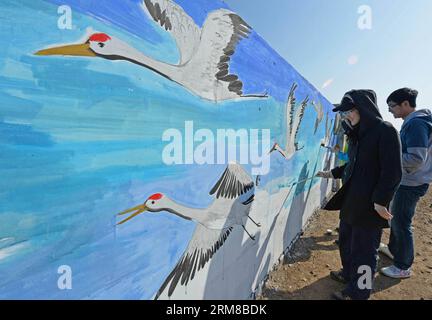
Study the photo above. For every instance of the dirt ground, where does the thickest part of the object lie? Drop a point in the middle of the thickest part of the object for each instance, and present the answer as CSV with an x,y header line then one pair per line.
x,y
304,275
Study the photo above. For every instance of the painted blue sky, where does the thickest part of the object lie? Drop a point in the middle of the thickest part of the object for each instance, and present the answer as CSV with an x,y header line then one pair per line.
x,y
322,41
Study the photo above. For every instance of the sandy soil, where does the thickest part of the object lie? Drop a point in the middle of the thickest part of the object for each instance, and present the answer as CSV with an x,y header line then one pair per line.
x,y
304,274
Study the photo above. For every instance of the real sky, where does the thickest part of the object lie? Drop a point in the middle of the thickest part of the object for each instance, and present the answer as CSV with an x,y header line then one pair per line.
x,y
322,40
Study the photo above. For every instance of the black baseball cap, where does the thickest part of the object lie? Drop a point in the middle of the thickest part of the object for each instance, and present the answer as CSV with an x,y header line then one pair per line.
x,y
346,104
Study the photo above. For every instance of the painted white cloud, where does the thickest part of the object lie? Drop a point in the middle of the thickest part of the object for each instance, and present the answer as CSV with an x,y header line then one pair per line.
x,y
11,250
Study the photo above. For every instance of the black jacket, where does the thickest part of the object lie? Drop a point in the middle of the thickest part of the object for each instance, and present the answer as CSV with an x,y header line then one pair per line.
x,y
374,170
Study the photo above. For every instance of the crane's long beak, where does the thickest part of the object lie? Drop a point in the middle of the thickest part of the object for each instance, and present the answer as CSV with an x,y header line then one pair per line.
x,y
138,210
68,50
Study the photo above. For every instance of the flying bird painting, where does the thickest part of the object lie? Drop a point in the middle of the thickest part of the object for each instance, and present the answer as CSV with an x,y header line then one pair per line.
x,y
320,114
328,130
294,118
205,53
234,194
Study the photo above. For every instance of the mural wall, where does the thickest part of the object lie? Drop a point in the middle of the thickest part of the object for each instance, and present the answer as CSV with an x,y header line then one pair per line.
x,y
88,97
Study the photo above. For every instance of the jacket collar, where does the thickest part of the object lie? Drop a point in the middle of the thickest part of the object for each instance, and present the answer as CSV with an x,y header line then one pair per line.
x,y
417,114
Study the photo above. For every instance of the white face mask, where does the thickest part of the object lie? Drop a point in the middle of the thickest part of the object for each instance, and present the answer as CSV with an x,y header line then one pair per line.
x,y
348,123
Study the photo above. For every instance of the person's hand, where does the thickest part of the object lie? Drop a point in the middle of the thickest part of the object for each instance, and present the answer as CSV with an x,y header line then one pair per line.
x,y
383,212
324,174
336,148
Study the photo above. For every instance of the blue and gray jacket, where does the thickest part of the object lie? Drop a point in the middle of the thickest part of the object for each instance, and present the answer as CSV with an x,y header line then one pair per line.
x,y
416,137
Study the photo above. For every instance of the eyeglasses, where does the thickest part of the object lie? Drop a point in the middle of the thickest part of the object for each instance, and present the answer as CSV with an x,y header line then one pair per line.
x,y
346,113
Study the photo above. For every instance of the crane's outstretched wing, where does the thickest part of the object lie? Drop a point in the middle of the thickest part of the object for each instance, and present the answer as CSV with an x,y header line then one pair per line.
x,y
221,33
204,244
233,183
298,118
178,23
320,114
329,124
290,108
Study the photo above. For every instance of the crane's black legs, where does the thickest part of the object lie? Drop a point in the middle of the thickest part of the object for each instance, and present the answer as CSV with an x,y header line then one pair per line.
x,y
253,238
257,224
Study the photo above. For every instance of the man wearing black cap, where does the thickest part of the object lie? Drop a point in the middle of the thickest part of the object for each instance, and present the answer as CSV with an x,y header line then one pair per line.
x,y
371,178
416,136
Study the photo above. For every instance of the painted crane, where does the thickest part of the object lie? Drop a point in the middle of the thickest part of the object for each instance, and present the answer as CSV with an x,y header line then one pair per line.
x,y
294,118
205,53
234,194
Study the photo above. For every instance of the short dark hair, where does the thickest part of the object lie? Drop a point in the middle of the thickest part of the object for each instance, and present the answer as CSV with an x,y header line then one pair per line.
x,y
404,94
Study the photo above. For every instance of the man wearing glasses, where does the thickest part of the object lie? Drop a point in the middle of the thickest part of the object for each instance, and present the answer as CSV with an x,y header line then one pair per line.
x,y
371,178
416,136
